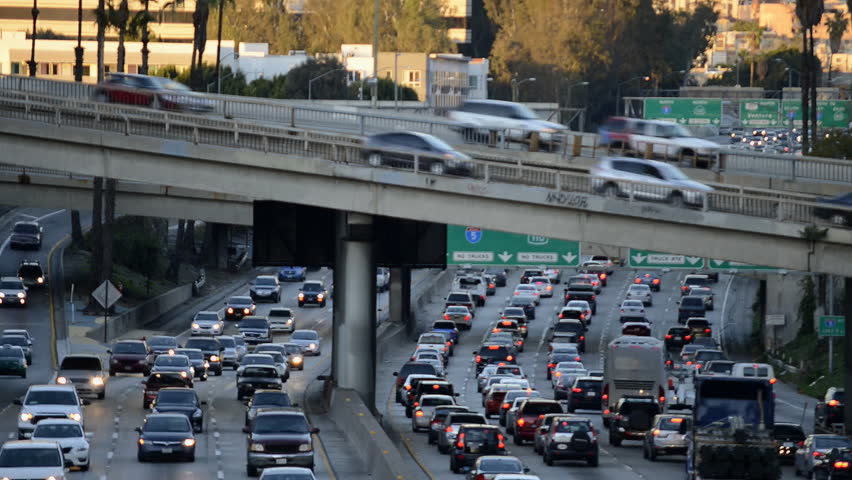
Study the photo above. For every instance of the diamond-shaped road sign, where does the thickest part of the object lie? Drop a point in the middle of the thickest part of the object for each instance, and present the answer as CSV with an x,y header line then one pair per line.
x,y
106,294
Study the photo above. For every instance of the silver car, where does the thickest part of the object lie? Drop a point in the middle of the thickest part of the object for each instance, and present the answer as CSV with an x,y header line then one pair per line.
x,y
667,436
281,320
235,349
13,292
207,323
632,310
814,447
422,415
640,292
647,180
309,340
484,375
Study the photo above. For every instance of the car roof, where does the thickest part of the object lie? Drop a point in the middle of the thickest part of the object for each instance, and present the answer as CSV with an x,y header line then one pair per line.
x,y
52,388
26,222
30,444
291,411
61,421
8,279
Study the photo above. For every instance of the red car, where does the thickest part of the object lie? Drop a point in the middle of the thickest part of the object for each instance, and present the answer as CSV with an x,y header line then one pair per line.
x,y
155,92
529,417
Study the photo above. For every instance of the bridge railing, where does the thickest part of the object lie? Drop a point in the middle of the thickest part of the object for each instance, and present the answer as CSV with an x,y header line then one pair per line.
x,y
566,188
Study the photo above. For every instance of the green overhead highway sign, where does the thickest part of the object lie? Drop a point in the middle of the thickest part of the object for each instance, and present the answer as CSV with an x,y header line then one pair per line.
x,y
649,259
830,113
476,246
759,113
685,111
729,265
832,326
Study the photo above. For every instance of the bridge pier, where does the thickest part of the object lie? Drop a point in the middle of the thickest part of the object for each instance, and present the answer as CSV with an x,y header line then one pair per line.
x,y
399,299
354,320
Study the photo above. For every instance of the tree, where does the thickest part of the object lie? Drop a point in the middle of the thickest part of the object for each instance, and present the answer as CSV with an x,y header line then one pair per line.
x,y
260,21
809,13
199,41
332,86
140,23
118,18
836,28
421,28
837,144
754,35
102,20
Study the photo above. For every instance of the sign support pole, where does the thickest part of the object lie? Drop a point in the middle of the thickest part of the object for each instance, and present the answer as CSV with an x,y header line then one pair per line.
x,y
830,307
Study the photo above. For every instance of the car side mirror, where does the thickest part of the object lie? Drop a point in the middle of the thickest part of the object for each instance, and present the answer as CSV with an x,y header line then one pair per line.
x,y
315,430
246,429
395,374
526,469
109,352
84,402
474,353
204,402
138,429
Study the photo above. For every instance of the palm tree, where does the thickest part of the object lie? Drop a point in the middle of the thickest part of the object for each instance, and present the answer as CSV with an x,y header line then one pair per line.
x,y
809,13
755,38
199,40
102,20
836,28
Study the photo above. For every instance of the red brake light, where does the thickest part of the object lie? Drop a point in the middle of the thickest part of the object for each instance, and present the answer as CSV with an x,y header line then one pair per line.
x,y
603,276
656,281
662,394
656,431
577,390
668,362
435,387
416,404
677,420
490,285
698,366
551,365
772,380
577,359
500,443
493,347
449,343
446,317
668,337
684,288
448,429
561,316
582,337
638,280
841,464
510,358
418,413
688,337
593,297
689,363
833,403
521,422
408,387
478,359
817,454
467,317
506,405
460,443
707,330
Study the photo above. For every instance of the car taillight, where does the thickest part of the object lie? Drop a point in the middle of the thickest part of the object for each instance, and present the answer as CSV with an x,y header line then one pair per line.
x,y
448,344
800,444
467,317
707,330
567,297
446,317
551,365
817,454
841,464
490,285
688,337
509,358
506,405
656,431
656,281
448,429
603,276
772,380
577,390
561,316
416,404
833,403
577,359
671,382
684,288
582,317
605,395
668,337
638,280
418,413
478,359
689,363
500,443
408,387
481,476
593,297
582,337
698,366
521,422
622,310
460,443
668,362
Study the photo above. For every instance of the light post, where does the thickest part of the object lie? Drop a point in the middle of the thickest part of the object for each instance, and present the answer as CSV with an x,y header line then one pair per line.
x,y
32,63
236,55
516,84
311,81
78,50
618,90
569,87
788,69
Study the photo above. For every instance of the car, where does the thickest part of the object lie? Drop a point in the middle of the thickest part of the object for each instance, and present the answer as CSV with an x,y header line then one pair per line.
x,y
474,441
20,332
281,320
670,140
309,340
555,358
265,359
13,292
423,408
234,350
13,361
179,364
529,417
19,341
254,377
431,357
213,351
527,303
814,448
690,306
409,388
130,356
435,341
279,437
718,367
491,354
460,315
420,151
704,356
287,473
604,260
582,292
266,399
835,209
632,311
694,280
638,328
382,279
436,420
411,368
788,438
85,372
585,394
26,235
569,331
596,269
476,285
632,418
279,358
647,180
427,386
31,273
162,344
562,380
254,329
667,436
448,327
529,273
165,435
159,93
641,292
677,337
705,292
265,287
295,355
570,438
452,422
70,437
700,326
515,121
239,306
511,400
182,400
461,298
488,467
312,292
292,274
30,459
199,364
583,280
499,275
156,381
527,289
583,306
48,401
544,286
829,411
650,278
207,323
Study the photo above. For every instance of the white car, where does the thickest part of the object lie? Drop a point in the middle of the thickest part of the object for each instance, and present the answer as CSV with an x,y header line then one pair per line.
x,y
632,311
422,414
70,436
647,180
264,359
554,274
287,473
48,401
671,140
529,291
432,357
281,320
484,375
641,292
545,287
31,459
583,305
515,120
309,340
235,350
207,323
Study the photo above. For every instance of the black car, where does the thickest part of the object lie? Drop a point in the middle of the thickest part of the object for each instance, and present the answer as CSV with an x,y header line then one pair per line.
x,y
266,287
161,344
837,465
650,278
830,411
632,417
238,307
436,421
530,273
499,275
279,437
474,441
570,438
213,351
586,394
154,383
181,400
677,337
488,354
26,235
582,292
524,302
570,331
165,435
788,438
403,149
196,356
31,273
691,306
313,292
829,210
255,377
266,399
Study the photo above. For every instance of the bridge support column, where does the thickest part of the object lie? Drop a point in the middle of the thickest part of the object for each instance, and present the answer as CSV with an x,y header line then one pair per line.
x,y
847,350
399,299
354,355
220,244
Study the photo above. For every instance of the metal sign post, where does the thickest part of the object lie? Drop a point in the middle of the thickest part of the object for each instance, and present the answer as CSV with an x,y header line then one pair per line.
x,y
106,295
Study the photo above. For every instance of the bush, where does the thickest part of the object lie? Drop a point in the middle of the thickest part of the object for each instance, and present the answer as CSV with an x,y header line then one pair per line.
x,y
138,247
834,144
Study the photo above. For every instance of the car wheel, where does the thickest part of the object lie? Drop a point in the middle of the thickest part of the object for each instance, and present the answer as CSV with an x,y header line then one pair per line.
x,y
374,159
593,462
611,191
251,471
437,168
676,200
235,366
101,395
84,468
453,466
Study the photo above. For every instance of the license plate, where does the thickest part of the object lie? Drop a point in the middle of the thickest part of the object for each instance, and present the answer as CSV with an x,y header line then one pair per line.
x,y
788,444
473,448
281,461
167,450
678,338
128,368
562,446
590,394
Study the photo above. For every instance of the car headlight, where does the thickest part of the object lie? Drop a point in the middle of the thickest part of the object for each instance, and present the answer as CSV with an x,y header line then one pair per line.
x,y
296,360
256,447
216,326
189,442
290,322
320,296
305,447
40,280
548,130
2,295
301,296
230,310
196,413
196,326
206,364
214,358
75,416
183,374
21,294
97,381
141,362
312,346
26,417
61,380
51,478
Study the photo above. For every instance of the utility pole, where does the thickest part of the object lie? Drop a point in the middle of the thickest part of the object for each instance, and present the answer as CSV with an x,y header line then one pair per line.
x,y
32,62
219,48
374,88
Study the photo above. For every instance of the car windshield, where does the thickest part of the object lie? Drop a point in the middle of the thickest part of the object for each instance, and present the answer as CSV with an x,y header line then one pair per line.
x,y
589,384
80,363
227,342
51,397
788,431
825,443
240,301
632,304
435,401
66,430
281,424
293,349
29,271
692,302
176,397
518,312
30,457
568,327
523,301
11,285
203,343
159,380
162,342
541,408
444,325
11,353
459,297
27,228
280,312
479,434
312,287
193,354
431,339
169,84
568,426
265,281
271,399
207,316
172,361
264,359
254,323
16,340
129,347
672,424
260,372
171,424
457,309
303,335
500,465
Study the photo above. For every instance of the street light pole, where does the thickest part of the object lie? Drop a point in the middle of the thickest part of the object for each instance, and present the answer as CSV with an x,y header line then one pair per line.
x,y
396,80
516,84
32,62
374,88
78,50
311,81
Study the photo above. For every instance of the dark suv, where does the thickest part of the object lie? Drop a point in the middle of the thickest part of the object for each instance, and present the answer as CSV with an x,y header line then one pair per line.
x,y
677,337
151,386
130,356
313,292
530,273
690,306
585,394
31,273
570,331
239,307
212,349
529,416
633,416
474,441
582,291
254,377
570,438
181,400
279,437
26,235
488,354
829,411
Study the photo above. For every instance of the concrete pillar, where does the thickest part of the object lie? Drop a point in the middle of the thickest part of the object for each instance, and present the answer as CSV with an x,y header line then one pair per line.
x,y
355,356
399,299
847,350
220,245
339,296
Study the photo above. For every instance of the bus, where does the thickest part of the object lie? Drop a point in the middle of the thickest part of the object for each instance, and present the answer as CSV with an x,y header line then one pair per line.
x,y
633,366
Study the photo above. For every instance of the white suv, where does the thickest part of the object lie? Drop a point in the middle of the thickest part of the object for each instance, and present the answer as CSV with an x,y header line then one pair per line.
x,y
647,180
479,117
32,459
48,401
672,140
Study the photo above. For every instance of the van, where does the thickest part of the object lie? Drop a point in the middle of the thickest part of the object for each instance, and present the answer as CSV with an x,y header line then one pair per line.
x,y
754,370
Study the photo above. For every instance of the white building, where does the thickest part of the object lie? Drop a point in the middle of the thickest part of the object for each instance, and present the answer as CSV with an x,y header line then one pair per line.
x,y
254,61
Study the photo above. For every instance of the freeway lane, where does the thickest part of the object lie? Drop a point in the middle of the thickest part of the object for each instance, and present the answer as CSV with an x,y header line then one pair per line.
x,y
622,462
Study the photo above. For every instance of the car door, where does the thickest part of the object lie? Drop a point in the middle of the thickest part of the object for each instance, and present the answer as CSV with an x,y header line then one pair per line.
x,y
658,187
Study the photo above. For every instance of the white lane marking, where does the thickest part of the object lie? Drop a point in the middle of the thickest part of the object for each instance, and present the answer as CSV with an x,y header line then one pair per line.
x,y
49,215
218,453
115,420
5,244
110,455
216,434
220,475
114,435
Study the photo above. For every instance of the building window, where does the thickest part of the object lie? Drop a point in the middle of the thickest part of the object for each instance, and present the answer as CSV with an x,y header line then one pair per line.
x,y
412,78
473,82
87,69
16,68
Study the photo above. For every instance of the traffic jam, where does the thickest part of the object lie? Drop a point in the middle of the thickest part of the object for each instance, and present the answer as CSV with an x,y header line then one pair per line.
x,y
572,393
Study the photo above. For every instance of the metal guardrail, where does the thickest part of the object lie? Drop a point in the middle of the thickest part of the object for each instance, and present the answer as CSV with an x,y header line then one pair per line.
x,y
564,186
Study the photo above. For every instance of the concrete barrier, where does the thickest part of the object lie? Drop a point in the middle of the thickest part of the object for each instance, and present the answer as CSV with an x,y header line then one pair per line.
x,y
142,315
